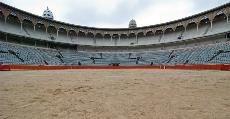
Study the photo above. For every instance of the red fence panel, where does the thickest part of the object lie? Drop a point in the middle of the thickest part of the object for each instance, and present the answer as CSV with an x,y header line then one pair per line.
x,y
4,68
225,67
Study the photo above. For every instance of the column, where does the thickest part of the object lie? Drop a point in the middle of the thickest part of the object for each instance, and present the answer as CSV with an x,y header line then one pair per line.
x,y
57,33
119,37
47,37
34,28
94,40
21,26
136,39
211,23
67,34
111,38
163,35
77,36
46,30
5,19
197,27
227,19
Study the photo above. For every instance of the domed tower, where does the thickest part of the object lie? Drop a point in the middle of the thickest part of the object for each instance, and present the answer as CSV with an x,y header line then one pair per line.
x,y
132,24
48,14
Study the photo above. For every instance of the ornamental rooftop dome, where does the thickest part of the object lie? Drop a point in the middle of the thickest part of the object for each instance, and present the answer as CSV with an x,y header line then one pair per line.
x,y
132,24
48,14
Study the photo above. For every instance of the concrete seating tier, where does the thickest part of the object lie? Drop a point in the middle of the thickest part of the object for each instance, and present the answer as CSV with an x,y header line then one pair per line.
x,y
28,55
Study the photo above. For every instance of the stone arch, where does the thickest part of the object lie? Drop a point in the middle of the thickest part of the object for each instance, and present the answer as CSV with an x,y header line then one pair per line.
x,y
115,36
132,35
124,36
72,34
40,27
218,13
27,24
205,25
140,35
180,31
107,36
149,33
180,28
168,30
99,36
62,31
191,25
2,17
219,16
90,35
81,34
51,30
13,19
159,32
204,21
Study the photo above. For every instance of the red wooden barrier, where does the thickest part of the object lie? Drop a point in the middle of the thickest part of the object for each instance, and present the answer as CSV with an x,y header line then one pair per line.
x,y
44,67
4,68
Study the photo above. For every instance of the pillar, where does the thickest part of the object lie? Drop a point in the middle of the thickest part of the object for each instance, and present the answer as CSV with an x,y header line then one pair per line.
x,y
136,39
46,30
94,40
211,21
21,25
197,27
77,36
57,33
163,34
34,27
227,18
111,38
119,37
5,19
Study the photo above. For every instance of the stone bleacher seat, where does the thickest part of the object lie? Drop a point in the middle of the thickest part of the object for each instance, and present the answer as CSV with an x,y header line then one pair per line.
x,y
28,55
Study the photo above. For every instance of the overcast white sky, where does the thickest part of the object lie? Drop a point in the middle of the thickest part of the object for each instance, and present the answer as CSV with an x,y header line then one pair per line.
x,y
116,13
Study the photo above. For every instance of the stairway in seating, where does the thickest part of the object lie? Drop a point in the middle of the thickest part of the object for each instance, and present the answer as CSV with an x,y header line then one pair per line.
x,y
16,55
216,54
60,58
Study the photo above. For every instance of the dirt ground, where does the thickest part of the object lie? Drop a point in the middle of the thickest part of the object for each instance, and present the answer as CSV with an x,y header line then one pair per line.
x,y
115,94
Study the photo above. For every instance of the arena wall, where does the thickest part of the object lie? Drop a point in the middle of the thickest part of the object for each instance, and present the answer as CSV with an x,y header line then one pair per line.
x,y
223,67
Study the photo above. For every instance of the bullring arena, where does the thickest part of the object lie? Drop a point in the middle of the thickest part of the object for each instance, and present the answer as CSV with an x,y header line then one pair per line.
x,y
115,94
175,70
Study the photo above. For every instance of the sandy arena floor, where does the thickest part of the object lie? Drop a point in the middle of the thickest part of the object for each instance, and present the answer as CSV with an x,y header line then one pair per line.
x,y
115,94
